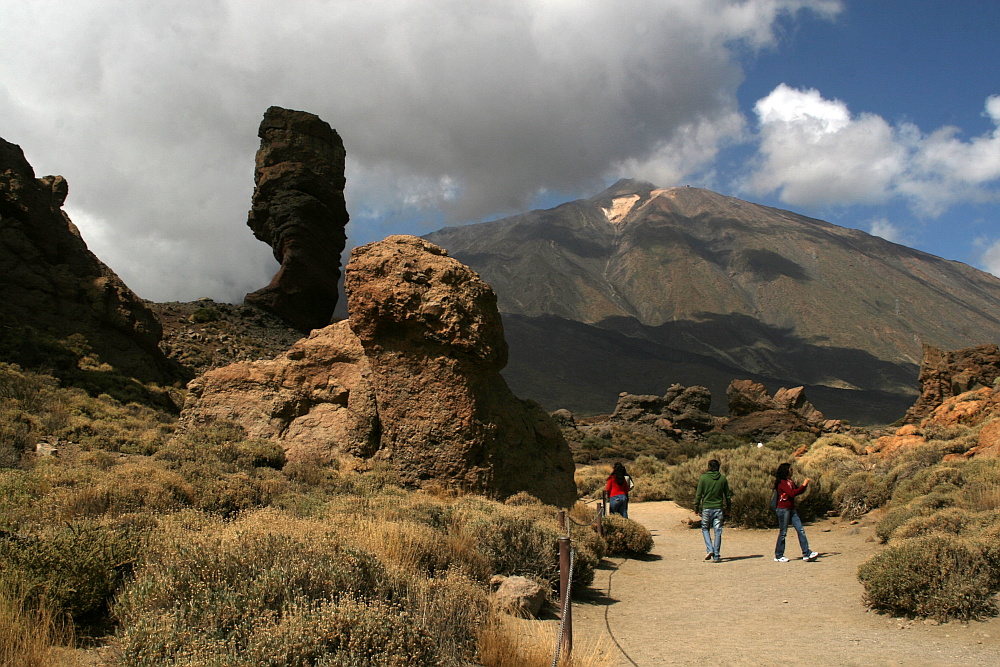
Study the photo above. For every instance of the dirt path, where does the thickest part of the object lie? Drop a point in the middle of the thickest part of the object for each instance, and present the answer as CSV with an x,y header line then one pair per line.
x,y
674,608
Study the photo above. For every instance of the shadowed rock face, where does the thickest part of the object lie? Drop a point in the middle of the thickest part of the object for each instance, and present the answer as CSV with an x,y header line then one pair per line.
x,y
298,209
51,282
433,337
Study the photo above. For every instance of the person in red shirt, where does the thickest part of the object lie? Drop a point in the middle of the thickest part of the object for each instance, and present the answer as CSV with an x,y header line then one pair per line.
x,y
618,486
787,490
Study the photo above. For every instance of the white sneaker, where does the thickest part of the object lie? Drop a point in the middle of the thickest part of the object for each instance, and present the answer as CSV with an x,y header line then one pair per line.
x,y
781,560
811,557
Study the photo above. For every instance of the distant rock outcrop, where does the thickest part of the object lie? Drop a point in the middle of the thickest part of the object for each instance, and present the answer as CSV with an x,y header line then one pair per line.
x,y
947,374
432,334
412,378
299,210
52,284
754,413
680,409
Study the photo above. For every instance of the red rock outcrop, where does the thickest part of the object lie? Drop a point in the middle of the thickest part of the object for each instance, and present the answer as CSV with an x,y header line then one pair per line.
x,y
412,378
53,284
316,398
298,209
947,374
433,336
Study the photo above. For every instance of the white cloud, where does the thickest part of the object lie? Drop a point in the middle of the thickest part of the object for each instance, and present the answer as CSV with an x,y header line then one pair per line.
x,y
989,257
150,109
813,151
881,227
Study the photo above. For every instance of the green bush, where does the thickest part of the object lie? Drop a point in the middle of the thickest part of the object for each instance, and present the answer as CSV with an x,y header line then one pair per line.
x,y
76,567
625,537
203,315
937,576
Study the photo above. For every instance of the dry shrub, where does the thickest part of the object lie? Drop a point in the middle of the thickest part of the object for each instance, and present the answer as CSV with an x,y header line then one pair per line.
x,y
922,506
835,458
30,633
590,480
225,590
937,576
412,547
130,487
859,494
625,537
514,544
951,520
451,609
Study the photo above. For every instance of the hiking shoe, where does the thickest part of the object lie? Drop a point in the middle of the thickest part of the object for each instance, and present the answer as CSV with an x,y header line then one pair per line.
x,y
708,556
780,559
716,560
811,557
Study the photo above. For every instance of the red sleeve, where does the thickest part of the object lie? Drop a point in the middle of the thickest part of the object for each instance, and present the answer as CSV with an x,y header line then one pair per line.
x,y
790,488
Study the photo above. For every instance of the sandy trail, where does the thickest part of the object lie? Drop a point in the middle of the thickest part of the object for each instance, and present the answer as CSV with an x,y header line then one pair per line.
x,y
674,608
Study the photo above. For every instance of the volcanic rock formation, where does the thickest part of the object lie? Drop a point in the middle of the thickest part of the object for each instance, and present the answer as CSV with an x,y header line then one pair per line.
x,y
412,378
53,285
316,398
298,209
947,374
680,409
432,334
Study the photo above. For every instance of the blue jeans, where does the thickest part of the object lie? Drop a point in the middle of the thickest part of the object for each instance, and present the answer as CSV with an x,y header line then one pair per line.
x,y
712,518
619,505
784,517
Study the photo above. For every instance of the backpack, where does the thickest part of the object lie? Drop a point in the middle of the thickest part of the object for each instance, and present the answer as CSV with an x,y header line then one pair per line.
x,y
774,500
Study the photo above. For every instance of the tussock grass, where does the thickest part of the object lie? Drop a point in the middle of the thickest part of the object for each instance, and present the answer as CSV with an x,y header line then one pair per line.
x,y
30,635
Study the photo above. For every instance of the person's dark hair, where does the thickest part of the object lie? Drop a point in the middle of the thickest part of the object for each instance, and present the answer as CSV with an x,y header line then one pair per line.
x,y
714,465
784,471
618,472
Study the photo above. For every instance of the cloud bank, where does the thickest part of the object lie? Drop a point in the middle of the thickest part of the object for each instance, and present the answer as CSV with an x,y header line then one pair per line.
x,y
452,110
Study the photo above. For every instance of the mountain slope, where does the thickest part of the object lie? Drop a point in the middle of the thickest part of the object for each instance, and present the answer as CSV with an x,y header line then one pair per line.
x,y
638,287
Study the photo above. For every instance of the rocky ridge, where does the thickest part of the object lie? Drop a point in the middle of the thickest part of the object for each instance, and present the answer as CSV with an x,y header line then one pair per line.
x,y
55,287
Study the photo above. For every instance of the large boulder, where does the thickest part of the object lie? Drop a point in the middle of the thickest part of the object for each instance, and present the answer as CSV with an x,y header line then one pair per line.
x,y
53,285
947,374
298,209
316,399
433,336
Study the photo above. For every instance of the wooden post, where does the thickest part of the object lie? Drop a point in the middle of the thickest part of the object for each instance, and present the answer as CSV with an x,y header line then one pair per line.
x,y
562,521
564,598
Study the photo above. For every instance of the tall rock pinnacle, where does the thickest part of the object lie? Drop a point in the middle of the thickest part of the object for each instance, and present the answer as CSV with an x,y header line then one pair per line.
x,y
298,209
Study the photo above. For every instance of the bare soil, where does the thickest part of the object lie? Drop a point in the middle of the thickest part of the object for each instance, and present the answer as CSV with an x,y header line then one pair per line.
x,y
674,608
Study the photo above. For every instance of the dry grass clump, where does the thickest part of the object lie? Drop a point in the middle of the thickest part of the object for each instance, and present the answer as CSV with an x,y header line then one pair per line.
x,y
30,634
511,642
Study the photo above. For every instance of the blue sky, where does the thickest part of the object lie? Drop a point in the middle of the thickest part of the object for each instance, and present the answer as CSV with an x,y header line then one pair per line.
x,y
876,114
